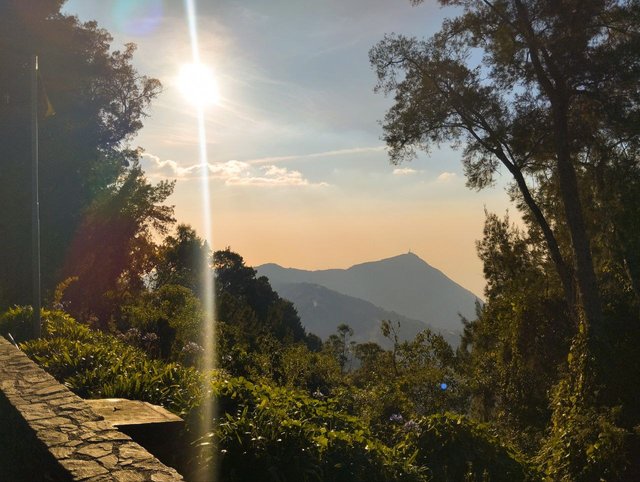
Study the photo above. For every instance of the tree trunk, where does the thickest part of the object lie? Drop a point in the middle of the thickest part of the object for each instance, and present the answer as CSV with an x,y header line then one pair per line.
x,y
585,272
563,270
552,83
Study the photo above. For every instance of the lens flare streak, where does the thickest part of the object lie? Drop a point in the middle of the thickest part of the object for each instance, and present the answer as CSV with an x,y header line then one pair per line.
x,y
208,332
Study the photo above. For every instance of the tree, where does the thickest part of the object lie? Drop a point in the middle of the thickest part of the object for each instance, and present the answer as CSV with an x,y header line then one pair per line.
x,y
250,303
113,250
368,354
549,103
172,313
510,355
415,378
547,94
182,258
391,332
340,345
100,101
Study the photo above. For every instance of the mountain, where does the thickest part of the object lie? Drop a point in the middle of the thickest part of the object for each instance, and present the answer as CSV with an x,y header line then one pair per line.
x,y
403,284
322,310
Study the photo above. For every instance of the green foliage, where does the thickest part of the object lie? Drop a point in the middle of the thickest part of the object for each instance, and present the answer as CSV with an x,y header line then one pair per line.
x,y
456,449
585,442
100,101
267,431
406,380
271,433
172,313
294,366
181,260
511,353
340,346
251,303
97,365
17,322
119,225
549,105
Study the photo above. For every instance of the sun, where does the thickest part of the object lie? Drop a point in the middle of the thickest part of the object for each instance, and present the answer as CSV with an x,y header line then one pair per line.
x,y
198,85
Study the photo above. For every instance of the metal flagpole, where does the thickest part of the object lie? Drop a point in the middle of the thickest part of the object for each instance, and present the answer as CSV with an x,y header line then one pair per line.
x,y
35,203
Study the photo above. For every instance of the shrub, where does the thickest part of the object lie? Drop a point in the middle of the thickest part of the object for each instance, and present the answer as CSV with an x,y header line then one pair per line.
x,y
584,441
172,313
95,365
455,448
17,322
273,433
265,432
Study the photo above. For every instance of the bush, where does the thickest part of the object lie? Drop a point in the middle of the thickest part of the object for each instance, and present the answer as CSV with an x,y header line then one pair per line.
x,y
97,365
17,322
455,449
172,314
273,433
584,441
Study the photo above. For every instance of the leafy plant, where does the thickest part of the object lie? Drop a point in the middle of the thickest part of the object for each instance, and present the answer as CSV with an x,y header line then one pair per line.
x,y
97,365
455,448
272,433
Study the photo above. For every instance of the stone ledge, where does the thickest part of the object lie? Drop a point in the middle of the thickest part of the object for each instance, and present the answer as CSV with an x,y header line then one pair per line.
x,y
82,443
121,412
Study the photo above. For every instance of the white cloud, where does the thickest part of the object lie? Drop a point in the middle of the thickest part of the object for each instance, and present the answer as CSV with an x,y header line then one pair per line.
x,y
232,173
157,168
446,177
404,171
268,176
229,170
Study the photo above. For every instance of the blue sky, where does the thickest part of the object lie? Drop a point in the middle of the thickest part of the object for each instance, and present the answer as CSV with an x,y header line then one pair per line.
x,y
299,175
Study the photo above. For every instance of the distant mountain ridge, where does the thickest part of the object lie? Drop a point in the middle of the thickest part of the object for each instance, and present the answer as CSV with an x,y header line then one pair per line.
x,y
322,310
403,284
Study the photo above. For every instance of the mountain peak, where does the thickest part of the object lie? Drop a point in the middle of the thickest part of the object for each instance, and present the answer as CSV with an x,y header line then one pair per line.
x,y
402,261
410,255
405,284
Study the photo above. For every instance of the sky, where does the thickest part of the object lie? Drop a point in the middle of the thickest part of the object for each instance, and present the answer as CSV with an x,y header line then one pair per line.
x,y
298,174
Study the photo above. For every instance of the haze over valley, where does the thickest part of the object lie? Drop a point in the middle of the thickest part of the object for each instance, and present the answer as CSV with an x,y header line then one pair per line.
x,y
402,288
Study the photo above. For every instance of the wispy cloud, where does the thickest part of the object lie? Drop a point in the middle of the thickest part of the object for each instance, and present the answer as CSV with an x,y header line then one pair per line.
x,y
332,153
232,173
446,177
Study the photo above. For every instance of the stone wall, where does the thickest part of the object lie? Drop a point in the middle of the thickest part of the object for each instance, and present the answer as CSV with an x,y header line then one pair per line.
x,y
47,433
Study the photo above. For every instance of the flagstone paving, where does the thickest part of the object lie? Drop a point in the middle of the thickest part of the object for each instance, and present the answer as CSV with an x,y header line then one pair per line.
x,y
82,442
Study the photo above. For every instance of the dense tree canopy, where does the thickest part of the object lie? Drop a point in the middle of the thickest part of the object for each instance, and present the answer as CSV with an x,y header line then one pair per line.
x,y
547,99
182,259
113,250
546,90
250,303
99,101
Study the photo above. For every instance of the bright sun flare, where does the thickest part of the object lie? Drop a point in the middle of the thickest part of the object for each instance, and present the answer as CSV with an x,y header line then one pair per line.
x,y
198,85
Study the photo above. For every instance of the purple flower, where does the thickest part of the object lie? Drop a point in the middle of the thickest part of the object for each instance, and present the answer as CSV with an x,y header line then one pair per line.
x,y
411,426
132,335
192,348
397,418
150,337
